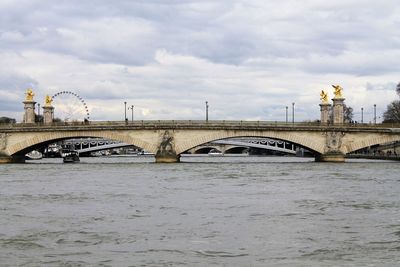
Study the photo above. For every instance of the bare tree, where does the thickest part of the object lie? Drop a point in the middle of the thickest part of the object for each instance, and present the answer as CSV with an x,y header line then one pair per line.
x,y
392,114
398,89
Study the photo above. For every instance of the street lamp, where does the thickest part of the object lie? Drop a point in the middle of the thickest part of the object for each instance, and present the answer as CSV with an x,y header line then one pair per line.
x,y
125,110
131,108
374,113
38,109
293,112
207,111
286,114
362,115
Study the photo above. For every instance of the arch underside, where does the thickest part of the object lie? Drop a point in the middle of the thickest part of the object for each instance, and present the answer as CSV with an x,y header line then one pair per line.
x,y
370,141
314,143
41,139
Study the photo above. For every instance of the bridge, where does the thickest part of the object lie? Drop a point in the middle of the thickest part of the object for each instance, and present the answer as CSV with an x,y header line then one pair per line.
x,y
169,139
87,145
227,145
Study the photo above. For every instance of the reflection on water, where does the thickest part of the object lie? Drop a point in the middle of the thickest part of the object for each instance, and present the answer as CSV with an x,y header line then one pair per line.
x,y
207,211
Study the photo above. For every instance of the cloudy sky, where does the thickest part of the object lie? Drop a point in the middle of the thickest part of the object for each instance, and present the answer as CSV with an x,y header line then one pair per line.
x,y
247,58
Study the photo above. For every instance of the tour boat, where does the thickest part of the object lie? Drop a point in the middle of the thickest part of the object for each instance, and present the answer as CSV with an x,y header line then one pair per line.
x,y
70,156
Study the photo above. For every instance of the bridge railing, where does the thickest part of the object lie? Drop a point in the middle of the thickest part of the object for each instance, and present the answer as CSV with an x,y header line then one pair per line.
x,y
195,123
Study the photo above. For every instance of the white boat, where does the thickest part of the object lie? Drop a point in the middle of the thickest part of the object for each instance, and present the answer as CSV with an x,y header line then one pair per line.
x,y
215,152
34,155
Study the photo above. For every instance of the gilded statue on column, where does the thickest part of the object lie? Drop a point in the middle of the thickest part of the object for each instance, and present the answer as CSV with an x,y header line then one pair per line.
x,y
324,97
29,95
338,91
48,100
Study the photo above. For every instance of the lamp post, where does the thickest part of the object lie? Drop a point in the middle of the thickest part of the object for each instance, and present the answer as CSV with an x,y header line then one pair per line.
x,y
286,114
293,112
38,109
362,115
374,113
206,111
125,110
131,108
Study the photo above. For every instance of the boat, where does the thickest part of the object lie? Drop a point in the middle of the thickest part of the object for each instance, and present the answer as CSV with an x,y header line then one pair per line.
x,y
34,155
144,153
70,156
214,152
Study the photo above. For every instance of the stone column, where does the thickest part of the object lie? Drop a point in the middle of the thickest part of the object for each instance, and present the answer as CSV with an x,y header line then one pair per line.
x,y
29,115
338,110
48,114
325,113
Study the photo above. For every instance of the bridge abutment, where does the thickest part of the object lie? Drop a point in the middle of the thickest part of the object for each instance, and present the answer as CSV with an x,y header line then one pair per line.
x,y
330,157
12,159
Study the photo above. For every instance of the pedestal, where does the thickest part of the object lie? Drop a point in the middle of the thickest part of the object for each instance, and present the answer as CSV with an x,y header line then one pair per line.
x,y
338,110
330,157
29,114
167,159
325,113
48,114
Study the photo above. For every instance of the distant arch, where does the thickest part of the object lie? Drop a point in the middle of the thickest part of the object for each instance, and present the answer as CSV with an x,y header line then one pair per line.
x,y
370,141
314,142
39,139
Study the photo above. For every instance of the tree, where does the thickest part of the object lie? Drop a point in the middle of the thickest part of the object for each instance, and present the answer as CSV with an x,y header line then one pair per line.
x,y
392,113
398,89
7,120
348,114
38,118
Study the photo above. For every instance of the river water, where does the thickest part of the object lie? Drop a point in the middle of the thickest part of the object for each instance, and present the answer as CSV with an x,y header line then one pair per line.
x,y
206,211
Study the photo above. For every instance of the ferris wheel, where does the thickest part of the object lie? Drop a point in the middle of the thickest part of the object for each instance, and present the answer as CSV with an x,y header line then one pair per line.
x,y
69,106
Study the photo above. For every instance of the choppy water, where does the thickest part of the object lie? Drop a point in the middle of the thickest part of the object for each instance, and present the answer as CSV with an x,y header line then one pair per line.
x,y
205,212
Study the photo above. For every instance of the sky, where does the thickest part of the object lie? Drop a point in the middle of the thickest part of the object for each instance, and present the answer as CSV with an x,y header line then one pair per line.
x,y
248,58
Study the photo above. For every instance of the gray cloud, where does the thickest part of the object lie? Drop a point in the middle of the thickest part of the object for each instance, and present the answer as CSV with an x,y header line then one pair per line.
x,y
171,55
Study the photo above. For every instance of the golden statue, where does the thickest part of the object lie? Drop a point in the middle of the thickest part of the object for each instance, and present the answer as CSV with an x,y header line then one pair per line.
x,y
29,95
338,91
324,97
48,100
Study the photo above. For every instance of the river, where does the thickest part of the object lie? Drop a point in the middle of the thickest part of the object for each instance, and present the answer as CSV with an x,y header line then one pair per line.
x,y
206,211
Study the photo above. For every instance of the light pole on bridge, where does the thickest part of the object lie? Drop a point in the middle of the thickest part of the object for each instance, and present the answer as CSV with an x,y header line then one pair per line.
x,y
374,113
287,114
206,111
362,115
125,110
293,112
131,108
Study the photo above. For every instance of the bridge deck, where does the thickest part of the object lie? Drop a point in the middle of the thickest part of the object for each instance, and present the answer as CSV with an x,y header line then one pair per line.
x,y
197,124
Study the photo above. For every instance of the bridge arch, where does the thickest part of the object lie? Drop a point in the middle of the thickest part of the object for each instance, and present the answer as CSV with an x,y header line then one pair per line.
x,y
370,141
314,142
23,147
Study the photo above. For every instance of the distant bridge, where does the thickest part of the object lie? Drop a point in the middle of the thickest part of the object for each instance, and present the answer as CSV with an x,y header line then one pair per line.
x,y
92,145
168,139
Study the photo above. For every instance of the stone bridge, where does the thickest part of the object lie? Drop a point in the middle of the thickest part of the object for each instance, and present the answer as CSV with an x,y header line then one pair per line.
x,y
168,139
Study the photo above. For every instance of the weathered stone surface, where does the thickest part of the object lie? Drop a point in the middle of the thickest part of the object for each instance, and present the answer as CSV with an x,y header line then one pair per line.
x,y
166,149
29,112
325,113
338,110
